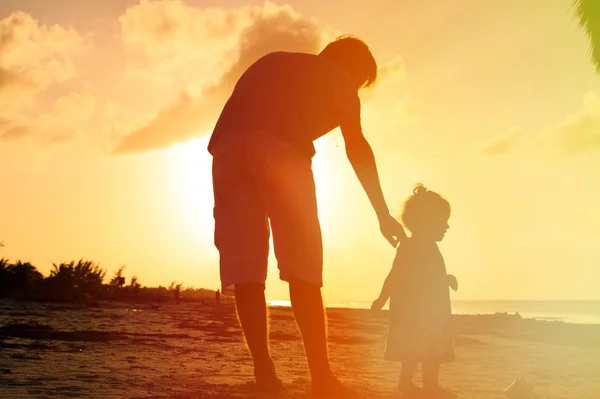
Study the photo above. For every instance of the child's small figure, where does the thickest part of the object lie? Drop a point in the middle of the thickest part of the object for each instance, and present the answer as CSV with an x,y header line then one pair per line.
x,y
420,316
177,293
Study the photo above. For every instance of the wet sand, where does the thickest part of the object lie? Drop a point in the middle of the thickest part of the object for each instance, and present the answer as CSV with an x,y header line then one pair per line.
x,y
196,350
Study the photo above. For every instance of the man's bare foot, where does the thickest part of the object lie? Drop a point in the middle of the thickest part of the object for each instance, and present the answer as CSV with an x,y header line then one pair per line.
x,y
410,391
272,385
266,380
332,388
437,392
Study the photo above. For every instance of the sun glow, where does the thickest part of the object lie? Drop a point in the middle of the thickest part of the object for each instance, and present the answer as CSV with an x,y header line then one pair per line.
x,y
328,180
191,194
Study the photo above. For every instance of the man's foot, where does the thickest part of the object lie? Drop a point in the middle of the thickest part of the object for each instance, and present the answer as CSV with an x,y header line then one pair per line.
x,y
410,391
332,388
437,392
266,380
268,385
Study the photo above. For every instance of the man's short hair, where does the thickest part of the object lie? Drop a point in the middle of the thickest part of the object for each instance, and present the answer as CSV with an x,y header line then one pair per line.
x,y
354,55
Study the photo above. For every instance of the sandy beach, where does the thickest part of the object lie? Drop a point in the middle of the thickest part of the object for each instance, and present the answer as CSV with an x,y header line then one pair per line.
x,y
196,350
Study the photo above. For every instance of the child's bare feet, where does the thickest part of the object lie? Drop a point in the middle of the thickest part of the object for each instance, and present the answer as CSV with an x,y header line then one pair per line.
x,y
437,392
409,390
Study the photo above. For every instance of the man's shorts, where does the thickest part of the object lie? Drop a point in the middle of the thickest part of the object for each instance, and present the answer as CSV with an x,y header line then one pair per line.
x,y
258,178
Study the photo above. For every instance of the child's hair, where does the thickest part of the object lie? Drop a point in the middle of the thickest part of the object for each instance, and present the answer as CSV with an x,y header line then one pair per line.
x,y
424,206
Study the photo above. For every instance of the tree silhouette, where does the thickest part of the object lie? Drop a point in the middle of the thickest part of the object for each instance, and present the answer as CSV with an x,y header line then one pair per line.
x,y
588,15
3,275
118,281
135,285
21,277
67,280
82,282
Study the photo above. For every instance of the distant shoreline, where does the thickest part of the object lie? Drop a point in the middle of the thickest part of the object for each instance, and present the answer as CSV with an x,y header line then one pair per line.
x,y
583,312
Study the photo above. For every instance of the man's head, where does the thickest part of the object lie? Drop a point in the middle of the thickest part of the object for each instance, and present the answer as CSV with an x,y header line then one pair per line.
x,y
354,56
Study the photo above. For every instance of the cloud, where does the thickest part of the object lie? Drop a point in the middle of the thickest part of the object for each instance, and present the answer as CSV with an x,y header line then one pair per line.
x,y
504,144
167,29
14,132
393,69
32,57
192,43
411,108
580,133
262,29
73,109
69,114
386,89
168,41
13,81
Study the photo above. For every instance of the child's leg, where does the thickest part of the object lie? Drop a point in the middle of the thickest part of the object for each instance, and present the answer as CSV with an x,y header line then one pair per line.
x,y
409,369
431,371
406,387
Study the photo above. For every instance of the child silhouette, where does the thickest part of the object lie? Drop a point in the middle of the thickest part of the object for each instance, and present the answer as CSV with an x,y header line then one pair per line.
x,y
420,315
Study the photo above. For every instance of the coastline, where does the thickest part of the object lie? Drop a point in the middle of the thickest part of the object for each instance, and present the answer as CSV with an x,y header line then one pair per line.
x,y
572,312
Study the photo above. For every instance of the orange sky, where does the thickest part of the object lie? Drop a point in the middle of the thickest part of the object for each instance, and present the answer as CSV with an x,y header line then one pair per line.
x,y
105,108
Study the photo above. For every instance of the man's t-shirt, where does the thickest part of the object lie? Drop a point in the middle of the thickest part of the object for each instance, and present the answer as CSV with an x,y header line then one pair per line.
x,y
297,97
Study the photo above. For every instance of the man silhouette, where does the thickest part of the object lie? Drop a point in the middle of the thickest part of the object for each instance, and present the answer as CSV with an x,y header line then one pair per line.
x,y
262,147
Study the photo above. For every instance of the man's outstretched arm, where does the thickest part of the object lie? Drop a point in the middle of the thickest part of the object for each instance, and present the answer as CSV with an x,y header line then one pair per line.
x,y
361,158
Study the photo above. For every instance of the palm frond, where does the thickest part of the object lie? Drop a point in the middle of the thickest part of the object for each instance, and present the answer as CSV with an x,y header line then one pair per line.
x,y
588,15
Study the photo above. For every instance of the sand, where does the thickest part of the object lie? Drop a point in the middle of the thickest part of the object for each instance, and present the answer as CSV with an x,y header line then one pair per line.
x,y
196,350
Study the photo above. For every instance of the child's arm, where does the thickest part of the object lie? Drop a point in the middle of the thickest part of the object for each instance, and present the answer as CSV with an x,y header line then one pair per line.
x,y
452,282
386,290
391,281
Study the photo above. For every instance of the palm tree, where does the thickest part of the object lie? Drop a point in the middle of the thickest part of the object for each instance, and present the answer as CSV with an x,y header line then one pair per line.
x,y
135,285
588,14
3,275
135,282
22,277
68,280
118,280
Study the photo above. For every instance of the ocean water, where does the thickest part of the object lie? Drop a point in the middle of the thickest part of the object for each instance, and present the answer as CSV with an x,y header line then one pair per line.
x,y
580,312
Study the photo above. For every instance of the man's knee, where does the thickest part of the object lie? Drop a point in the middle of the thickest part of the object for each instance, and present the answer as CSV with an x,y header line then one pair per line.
x,y
299,285
245,288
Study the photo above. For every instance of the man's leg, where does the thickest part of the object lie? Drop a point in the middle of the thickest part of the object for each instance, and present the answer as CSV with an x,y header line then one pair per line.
x,y
307,305
287,189
252,312
242,238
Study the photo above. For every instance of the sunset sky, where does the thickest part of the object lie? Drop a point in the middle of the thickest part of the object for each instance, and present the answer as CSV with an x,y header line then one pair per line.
x,y
106,107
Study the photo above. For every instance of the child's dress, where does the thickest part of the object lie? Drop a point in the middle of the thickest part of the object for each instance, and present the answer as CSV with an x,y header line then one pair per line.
x,y
420,326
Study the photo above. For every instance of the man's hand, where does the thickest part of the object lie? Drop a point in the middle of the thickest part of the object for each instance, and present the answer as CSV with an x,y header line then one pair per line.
x,y
378,304
361,158
452,282
392,230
